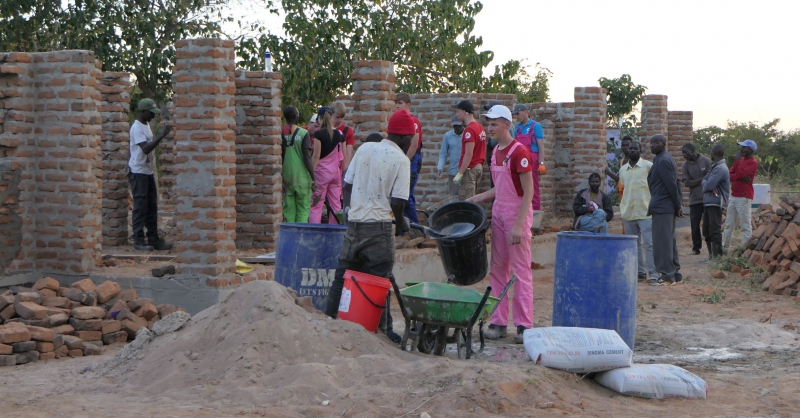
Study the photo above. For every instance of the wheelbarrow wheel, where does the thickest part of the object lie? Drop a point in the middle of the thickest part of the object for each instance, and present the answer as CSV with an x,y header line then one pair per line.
x,y
427,338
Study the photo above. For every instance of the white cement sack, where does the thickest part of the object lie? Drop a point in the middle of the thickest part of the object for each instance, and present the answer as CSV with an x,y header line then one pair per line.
x,y
577,350
656,381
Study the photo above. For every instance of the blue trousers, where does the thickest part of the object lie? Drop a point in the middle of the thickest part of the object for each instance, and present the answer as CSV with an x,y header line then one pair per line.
x,y
597,219
411,209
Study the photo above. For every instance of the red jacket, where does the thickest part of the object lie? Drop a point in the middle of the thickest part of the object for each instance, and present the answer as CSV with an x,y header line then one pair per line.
x,y
743,167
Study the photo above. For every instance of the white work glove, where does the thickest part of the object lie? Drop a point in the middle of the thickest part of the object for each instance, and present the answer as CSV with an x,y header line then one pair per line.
x,y
457,178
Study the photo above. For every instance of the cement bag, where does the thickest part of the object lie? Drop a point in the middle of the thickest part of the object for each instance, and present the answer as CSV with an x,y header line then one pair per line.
x,y
656,381
577,350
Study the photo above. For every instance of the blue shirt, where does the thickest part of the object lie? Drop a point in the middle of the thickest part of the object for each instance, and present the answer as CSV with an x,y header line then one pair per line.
x,y
538,132
451,148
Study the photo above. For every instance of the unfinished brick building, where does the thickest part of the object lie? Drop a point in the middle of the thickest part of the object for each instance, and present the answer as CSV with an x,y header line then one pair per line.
x,y
64,144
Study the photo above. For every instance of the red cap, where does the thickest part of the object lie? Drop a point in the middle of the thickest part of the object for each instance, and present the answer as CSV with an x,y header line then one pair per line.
x,y
401,123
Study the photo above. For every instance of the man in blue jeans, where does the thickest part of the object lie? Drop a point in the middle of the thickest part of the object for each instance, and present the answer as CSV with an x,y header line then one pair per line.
x,y
451,149
142,179
414,154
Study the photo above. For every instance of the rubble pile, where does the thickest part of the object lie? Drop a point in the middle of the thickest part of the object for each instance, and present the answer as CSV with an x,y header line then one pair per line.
x,y
47,321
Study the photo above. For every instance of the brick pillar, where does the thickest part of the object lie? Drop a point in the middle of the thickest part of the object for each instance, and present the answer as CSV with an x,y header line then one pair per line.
x,y
205,164
114,110
654,121
589,136
563,157
258,159
68,137
680,132
547,182
373,97
166,168
17,164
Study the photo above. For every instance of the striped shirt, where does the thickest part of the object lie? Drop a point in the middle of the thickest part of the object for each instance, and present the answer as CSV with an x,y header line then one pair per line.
x,y
636,197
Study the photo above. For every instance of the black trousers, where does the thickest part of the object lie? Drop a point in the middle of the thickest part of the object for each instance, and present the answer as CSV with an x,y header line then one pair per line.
x,y
145,206
368,247
696,216
712,225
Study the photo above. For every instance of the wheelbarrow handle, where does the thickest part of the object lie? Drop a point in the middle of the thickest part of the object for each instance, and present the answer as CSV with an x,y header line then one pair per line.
x,y
480,307
503,293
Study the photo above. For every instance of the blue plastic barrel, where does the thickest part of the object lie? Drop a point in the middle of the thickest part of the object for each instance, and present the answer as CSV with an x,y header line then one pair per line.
x,y
595,282
306,258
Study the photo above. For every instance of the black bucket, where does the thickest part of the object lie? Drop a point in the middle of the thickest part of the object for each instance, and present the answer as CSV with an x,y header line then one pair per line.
x,y
464,258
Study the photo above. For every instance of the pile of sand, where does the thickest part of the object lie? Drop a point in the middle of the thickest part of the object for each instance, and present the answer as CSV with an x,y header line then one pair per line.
x,y
740,334
260,348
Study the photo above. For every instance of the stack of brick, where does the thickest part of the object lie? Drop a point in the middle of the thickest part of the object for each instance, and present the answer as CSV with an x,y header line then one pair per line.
x,y
258,159
114,109
588,145
373,97
166,168
679,133
557,121
205,166
774,245
48,321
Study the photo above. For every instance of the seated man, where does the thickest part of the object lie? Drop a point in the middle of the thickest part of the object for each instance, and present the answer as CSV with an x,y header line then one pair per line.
x,y
592,208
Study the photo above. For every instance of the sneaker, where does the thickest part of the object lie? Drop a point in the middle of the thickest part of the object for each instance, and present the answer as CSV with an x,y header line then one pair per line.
x,y
161,245
495,332
520,331
642,277
655,282
696,252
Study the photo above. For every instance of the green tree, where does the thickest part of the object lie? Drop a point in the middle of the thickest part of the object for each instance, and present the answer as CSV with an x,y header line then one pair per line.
x,y
622,96
430,42
137,36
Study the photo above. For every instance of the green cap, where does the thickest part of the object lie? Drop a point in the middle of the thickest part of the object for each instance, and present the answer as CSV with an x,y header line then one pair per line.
x,y
148,104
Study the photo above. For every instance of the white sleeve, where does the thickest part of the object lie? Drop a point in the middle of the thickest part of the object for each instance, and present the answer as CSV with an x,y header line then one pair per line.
x,y
350,174
402,183
137,136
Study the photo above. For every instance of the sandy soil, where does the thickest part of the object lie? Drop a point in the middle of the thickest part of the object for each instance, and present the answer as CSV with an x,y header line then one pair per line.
x,y
238,360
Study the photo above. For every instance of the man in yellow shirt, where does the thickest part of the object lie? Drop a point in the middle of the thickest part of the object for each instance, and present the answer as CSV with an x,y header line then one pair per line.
x,y
633,208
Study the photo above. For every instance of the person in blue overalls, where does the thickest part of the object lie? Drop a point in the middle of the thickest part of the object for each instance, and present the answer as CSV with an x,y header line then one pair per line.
x,y
529,133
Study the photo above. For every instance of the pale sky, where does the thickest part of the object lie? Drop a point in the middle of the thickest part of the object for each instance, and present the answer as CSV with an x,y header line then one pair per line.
x,y
724,60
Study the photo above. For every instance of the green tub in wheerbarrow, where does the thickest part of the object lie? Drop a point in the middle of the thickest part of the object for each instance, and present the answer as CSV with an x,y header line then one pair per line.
x,y
431,309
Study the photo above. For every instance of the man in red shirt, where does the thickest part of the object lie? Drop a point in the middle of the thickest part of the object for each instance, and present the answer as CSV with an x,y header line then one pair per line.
x,y
414,154
742,173
512,216
473,151
339,112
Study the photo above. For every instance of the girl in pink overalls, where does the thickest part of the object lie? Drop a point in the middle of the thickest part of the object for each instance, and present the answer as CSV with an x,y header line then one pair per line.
x,y
327,159
511,225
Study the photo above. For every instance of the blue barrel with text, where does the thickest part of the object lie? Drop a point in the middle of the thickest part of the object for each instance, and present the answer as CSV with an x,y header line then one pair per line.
x,y
307,257
595,282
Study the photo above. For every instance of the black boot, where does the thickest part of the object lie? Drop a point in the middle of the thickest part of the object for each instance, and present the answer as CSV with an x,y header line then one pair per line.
x,y
717,249
159,244
710,250
140,245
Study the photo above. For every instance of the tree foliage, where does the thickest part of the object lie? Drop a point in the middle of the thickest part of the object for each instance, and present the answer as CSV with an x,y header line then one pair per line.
x,y
137,36
622,96
430,42
778,152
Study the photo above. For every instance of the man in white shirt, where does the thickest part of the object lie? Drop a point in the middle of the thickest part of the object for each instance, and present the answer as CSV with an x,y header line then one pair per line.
x,y
142,179
376,188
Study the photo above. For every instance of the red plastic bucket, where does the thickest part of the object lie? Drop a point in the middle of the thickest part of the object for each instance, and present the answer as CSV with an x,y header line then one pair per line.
x,y
363,299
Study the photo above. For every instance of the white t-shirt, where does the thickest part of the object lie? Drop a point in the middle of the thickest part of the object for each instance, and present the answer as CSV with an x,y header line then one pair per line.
x,y
379,172
140,163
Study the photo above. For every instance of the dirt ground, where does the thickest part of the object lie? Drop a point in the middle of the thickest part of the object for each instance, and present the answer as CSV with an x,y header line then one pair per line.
x,y
744,346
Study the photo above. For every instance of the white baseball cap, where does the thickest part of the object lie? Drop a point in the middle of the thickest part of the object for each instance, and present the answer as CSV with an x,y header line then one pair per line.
x,y
497,112
313,119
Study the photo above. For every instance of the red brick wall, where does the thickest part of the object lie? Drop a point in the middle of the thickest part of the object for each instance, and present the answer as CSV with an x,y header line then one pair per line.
x,y
114,110
258,159
205,163
373,97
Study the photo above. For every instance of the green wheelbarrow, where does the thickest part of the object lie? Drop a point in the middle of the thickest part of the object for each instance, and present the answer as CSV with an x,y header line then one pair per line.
x,y
431,309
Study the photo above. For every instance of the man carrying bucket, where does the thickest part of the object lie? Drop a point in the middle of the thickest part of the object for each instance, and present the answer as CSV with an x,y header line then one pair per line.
x,y
376,188
511,169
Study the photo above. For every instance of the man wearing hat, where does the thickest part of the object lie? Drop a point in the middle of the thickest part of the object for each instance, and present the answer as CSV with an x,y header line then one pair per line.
x,y
376,188
142,178
473,151
529,133
451,148
512,217
742,174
